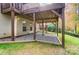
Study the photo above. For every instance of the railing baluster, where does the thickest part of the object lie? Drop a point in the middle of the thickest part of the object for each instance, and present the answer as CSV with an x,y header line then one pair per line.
x,y
6,5
17,6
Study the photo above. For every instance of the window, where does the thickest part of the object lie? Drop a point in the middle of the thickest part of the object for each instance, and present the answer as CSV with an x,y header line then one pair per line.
x,y
24,28
30,28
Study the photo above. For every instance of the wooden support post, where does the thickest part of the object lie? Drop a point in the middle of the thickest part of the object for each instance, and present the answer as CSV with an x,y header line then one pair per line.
x,y
39,26
12,23
57,26
63,29
45,27
1,7
34,20
42,26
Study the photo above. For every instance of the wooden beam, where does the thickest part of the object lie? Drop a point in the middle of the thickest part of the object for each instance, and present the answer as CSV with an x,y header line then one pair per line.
x,y
56,13
12,23
46,21
42,27
27,17
34,20
63,29
46,18
51,19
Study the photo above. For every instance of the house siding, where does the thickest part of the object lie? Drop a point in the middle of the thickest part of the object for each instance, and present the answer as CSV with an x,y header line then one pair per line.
x,y
19,26
5,25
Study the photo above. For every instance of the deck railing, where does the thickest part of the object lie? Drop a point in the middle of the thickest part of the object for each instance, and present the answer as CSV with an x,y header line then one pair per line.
x,y
5,6
18,6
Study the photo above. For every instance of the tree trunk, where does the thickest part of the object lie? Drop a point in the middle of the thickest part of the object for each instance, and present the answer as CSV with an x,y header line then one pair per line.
x,y
75,28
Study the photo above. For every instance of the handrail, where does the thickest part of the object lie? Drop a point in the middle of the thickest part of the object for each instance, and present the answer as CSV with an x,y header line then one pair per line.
x,y
5,5
17,6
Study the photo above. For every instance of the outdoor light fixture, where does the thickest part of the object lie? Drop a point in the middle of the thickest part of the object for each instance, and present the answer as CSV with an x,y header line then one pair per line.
x,y
23,21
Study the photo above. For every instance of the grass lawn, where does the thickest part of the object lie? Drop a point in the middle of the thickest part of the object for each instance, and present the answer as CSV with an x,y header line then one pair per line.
x,y
30,48
72,47
72,44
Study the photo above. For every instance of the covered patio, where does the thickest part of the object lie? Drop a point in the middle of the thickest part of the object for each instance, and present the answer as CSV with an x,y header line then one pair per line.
x,y
47,38
41,14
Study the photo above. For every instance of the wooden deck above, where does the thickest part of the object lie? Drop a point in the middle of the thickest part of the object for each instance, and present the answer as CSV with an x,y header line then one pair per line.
x,y
42,11
30,7
40,8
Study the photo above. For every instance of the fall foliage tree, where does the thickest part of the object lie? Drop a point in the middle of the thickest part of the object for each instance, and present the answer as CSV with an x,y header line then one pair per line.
x,y
76,16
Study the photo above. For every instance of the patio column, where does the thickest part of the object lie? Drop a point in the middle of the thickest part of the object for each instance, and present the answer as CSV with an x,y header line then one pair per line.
x,y
57,26
42,27
39,26
63,29
12,23
45,27
34,22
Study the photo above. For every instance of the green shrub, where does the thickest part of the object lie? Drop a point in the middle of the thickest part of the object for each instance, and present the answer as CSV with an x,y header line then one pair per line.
x,y
51,27
72,34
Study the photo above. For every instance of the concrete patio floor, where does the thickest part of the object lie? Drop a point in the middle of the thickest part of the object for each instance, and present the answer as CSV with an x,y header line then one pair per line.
x,y
47,38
